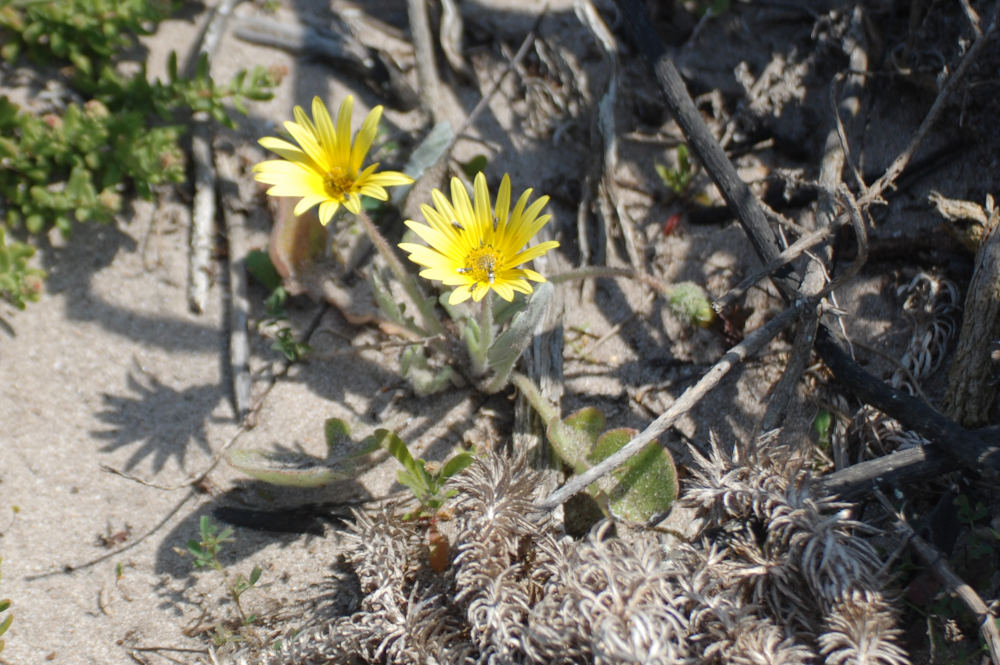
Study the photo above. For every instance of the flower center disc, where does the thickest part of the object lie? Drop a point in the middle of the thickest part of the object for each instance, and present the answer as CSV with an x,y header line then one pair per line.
x,y
482,264
337,183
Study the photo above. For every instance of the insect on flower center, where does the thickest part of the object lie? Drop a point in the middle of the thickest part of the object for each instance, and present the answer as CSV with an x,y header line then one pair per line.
x,y
482,265
338,183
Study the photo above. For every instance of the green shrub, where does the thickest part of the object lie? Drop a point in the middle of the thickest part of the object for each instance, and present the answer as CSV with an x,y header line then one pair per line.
x,y
77,163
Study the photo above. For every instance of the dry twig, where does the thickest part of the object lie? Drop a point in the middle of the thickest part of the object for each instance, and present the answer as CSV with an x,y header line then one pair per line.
x,y
203,208
970,448
239,302
423,49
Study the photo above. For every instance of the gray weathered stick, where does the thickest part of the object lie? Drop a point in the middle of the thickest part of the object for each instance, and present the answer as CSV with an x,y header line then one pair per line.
x,y
202,218
203,208
972,388
423,48
239,301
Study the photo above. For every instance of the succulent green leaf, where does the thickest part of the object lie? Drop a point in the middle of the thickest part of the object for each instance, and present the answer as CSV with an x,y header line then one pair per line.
x,y
512,342
689,301
287,468
574,437
645,486
457,463
337,432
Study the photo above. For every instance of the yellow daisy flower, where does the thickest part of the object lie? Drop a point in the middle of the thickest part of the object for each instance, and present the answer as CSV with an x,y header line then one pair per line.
x,y
476,247
325,168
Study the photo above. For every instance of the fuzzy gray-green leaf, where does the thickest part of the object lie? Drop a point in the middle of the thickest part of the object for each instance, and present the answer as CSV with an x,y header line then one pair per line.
x,y
512,342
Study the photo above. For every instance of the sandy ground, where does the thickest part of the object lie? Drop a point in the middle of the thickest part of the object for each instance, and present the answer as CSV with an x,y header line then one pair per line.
x,y
112,371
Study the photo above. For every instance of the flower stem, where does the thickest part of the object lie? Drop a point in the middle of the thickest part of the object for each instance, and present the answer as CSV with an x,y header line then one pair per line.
x,y
480,361
432,325
544,407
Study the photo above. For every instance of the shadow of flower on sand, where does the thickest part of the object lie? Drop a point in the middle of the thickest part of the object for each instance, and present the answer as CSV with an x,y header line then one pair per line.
x,y
161,419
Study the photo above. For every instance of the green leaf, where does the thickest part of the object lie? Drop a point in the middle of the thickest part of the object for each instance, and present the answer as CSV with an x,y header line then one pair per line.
x,y
512,342
259,265
336,432
574,437
5,624
255,575
287,468
645,486
455,464
392,443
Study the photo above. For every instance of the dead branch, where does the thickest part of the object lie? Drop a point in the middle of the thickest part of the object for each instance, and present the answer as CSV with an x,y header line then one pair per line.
x,y
202,218
895,469
737,194
239,301
938,564
785,257
423,49
203,207
972,386
816,276
974,451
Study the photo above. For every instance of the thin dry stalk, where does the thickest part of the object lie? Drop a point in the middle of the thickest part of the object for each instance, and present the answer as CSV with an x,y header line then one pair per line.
x,y
826,219
423,48
202,219
587,14
239,301
203,207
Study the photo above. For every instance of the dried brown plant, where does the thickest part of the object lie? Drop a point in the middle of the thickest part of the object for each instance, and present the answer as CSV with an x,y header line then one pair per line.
x,y
776,575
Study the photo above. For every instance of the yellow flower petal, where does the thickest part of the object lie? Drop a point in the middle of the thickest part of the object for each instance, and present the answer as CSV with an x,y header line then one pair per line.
x,y
459,295
307,139
353,203
327,209
365,136
343,151
324,127
307,202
